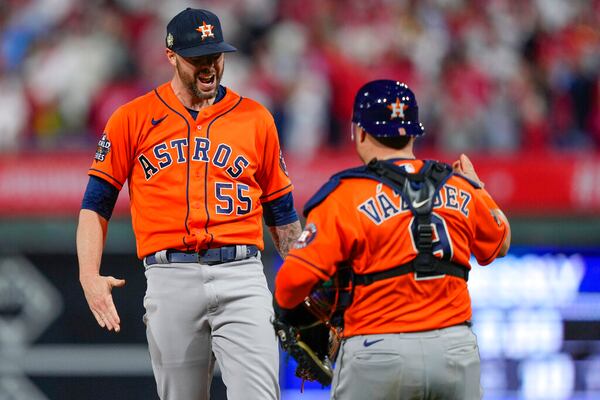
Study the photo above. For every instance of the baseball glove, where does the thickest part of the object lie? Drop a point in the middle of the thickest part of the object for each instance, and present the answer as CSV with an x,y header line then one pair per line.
x,y
307,340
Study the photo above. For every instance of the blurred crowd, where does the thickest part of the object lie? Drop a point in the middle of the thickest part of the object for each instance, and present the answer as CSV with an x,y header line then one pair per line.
x,y
490,75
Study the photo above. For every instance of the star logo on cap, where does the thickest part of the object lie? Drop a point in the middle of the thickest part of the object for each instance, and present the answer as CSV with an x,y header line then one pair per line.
x,y
397,109
206,30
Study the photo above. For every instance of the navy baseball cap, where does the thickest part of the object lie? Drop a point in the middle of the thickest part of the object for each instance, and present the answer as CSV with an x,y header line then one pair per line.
x,y
384,106
195,32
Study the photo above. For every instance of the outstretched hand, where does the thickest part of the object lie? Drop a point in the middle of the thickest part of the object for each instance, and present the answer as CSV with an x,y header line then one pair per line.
x,y
98,293
464,166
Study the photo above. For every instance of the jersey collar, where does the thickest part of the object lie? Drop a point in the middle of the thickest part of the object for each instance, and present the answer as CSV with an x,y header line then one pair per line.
x,y
228,99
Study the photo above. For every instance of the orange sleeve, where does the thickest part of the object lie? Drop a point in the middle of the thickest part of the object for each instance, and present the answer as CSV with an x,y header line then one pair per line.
x,y
272,175
323,245
296,283
490,231
112,161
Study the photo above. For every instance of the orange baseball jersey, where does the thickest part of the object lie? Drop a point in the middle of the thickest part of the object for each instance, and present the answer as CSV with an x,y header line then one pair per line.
x,y
365,224
193,184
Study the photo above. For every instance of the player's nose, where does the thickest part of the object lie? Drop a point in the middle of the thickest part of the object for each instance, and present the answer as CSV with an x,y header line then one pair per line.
x,y
205,69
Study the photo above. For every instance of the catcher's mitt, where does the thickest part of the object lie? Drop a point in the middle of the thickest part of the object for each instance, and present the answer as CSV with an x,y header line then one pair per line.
x,y
311,332
305,345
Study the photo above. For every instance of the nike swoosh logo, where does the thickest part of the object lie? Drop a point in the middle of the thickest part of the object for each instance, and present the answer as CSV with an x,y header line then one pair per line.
x,y
158,121
366,343
417,204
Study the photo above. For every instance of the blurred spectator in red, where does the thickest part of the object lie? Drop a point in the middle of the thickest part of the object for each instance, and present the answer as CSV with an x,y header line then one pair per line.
x,y
494,75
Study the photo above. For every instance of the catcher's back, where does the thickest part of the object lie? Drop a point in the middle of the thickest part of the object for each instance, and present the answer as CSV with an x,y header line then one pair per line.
x,y
365,223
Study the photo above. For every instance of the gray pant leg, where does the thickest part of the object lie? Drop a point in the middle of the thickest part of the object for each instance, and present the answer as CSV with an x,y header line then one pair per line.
x,y
461,355
178,332
382,371
440,364
244,340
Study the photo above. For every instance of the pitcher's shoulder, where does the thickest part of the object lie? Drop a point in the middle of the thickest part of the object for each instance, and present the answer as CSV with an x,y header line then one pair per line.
x,y
144,104
251,105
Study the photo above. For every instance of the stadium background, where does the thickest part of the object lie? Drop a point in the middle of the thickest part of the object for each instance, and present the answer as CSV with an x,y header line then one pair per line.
x,y
513,84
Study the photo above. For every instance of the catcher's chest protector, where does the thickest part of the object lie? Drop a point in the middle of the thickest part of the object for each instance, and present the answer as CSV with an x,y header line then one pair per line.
x,y
418,191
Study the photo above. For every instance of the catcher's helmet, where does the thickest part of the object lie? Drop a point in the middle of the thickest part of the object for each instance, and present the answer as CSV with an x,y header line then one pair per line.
x,y
384,106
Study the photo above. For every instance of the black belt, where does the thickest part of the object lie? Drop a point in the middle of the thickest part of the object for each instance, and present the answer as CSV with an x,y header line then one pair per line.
x,y
441,267
219,255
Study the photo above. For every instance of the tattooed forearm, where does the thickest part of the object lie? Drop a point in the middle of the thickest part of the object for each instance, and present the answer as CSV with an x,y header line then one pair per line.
x,y
284,236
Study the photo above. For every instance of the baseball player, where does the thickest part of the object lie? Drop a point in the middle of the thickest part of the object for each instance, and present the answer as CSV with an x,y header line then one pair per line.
x,y
406,228
203,166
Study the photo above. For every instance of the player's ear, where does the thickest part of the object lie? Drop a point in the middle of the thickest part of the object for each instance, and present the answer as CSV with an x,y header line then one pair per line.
x,y
362,135
357,133
171,56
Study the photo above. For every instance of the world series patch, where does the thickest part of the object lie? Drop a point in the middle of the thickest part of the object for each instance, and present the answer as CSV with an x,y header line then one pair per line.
x,y
282,163
103,148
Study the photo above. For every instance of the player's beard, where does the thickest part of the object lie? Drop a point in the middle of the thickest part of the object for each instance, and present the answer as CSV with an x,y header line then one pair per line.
x,y
189,81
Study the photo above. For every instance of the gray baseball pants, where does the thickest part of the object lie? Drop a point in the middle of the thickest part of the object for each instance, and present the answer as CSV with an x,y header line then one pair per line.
x,y
196,313
437,364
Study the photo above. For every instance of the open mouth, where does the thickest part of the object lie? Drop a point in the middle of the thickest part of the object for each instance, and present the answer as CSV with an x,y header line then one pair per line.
x,y
207,82
207,79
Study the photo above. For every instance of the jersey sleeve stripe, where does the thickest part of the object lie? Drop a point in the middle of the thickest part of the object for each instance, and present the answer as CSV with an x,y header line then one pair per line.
x,y
316,270
275,192
112,181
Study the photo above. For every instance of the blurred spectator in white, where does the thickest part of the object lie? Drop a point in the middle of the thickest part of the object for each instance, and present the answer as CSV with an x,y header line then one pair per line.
x,y
494,75
69,68
15,111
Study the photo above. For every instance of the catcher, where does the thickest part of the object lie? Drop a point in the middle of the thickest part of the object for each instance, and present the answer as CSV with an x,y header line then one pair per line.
x,y
383,263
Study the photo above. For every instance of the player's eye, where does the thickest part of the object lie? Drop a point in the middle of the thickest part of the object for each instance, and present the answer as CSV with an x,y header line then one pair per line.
x,y
205,60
